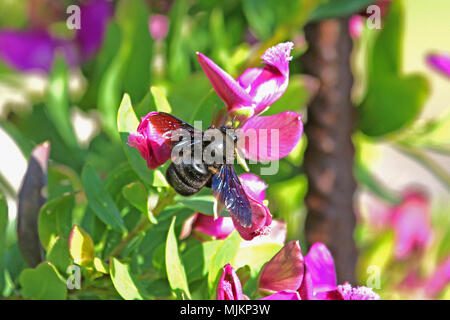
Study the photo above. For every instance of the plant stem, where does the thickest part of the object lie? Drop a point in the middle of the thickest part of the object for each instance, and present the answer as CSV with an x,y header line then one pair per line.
x,y
144,224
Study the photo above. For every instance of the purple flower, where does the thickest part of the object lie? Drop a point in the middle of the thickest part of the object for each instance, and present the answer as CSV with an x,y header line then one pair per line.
x,y
283,295
440,62
158,25
229,286
205,225
257,88
35,49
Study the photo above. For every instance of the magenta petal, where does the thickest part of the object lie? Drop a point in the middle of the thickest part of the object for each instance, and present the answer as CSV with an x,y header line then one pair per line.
x,y
440,62
229,286
320,265
266,85
226,87
269,138
356,26
219,228
94,18
158,25
262,218
284,271
27,50
154,148
254,186
283,295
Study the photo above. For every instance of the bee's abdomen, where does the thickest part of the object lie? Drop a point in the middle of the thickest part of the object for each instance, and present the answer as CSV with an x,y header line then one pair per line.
x,y
187,179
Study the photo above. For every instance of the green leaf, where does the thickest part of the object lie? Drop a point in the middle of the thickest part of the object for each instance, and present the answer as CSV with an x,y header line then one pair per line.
x,y
339,8
162,105
225,253
55,219
3,225
174,266
197,257
100,201
58,254
203,204
57,105
136,194
81,246
390,92
127,122
125,283
44,283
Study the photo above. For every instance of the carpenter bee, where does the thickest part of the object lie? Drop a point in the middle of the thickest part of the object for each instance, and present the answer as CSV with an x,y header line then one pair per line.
x,y
189,171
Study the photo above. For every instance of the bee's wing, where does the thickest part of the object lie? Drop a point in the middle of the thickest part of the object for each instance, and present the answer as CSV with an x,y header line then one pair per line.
x,y
229,191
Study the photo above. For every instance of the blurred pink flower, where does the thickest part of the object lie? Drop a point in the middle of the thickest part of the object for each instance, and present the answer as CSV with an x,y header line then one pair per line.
x,y
440,62
158,25
411,222
257,88
439,279
356,26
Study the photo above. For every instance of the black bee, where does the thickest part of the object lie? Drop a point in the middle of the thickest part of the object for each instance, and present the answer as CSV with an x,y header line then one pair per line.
x,y
188,174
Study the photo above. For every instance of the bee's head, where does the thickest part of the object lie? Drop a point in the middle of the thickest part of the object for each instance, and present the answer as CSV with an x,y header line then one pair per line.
x,y
230,132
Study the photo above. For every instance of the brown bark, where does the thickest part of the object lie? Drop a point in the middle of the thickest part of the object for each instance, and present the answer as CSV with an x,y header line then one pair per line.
x,y
329,155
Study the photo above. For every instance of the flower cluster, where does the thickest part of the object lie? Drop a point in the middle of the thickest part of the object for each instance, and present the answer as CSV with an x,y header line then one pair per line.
x,y
290,276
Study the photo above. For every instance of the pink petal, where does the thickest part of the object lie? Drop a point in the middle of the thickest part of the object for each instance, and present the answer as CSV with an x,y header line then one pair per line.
x,y
262,218
149,140
229,286
356,26
320,265
278,232
254,186
283,295
266,85
270,138
226,87
440,62
284,271
219,228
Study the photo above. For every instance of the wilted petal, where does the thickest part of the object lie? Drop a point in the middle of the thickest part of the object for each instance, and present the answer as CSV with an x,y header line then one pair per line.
x,y
278,232
229,286
94,18
320,265
347,292
254,186
269,138
283,295
149,140
227,88
27,50
219,228
284,271
440,62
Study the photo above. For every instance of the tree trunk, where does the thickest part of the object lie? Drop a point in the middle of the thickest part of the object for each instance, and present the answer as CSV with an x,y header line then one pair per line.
x,y
330,153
